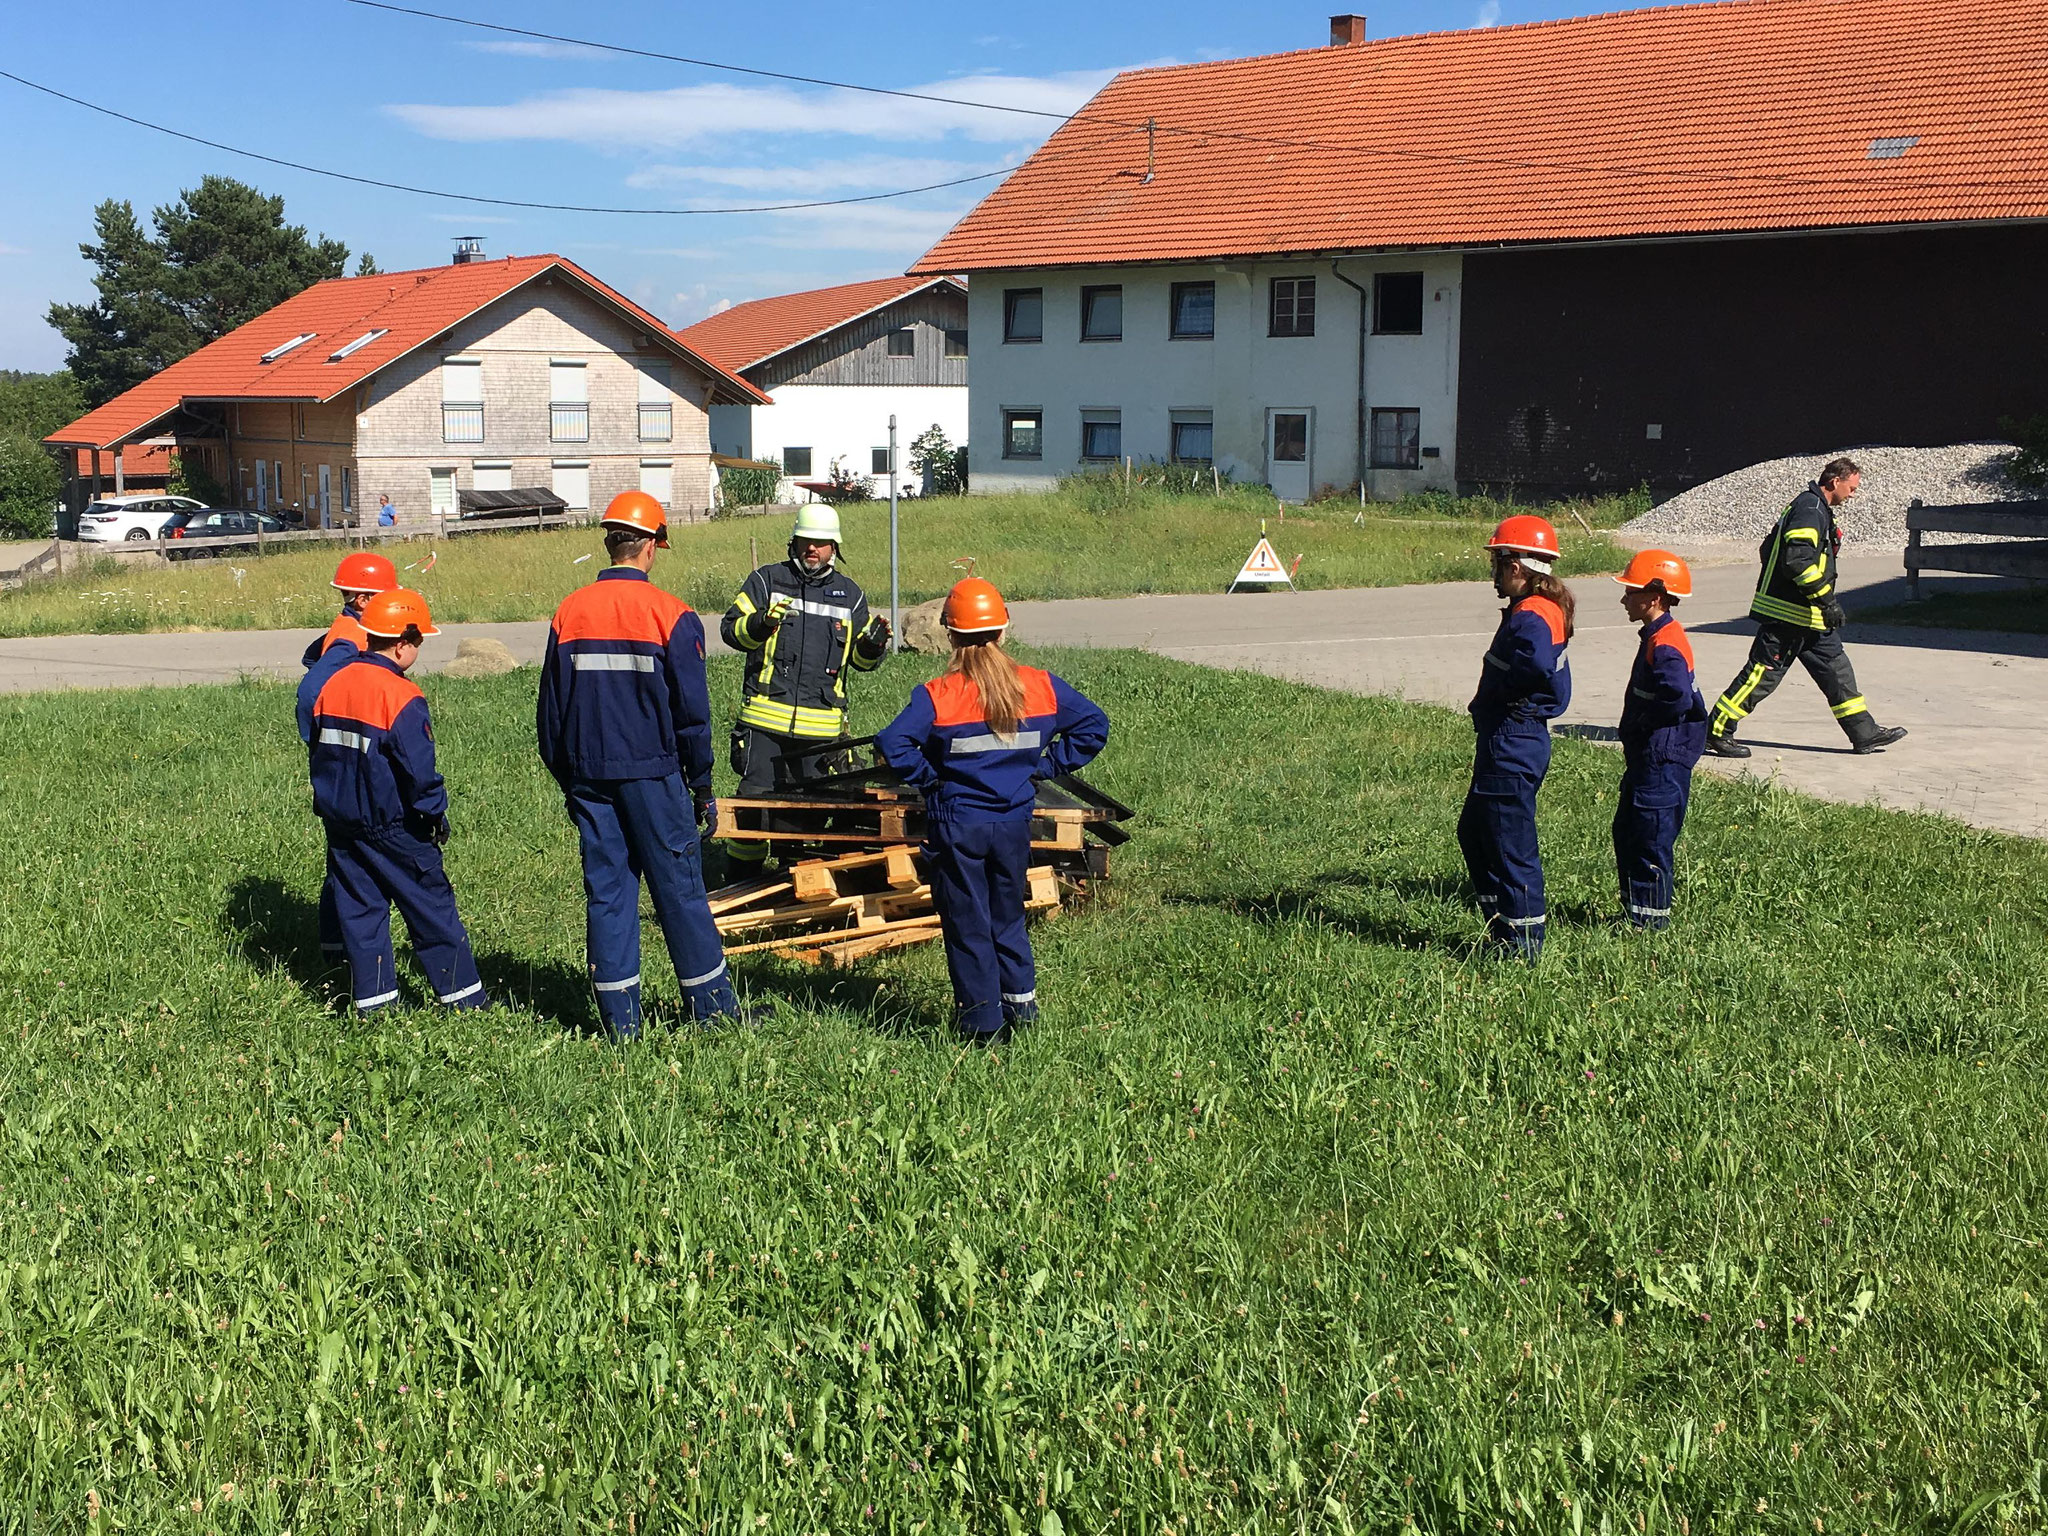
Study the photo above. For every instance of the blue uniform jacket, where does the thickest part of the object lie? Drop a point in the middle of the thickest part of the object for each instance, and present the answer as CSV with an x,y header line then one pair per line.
x,y
1526,678
345,639
622,689
1664,719
373,752
942,745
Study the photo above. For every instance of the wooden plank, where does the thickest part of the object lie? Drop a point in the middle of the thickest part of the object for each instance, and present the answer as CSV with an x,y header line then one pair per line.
x,y
842,955
902,869
814,881
834,936
1994,518
802,912
2025,560
727,897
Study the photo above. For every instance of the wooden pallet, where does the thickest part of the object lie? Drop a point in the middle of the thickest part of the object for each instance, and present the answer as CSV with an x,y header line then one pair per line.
x,y
869,823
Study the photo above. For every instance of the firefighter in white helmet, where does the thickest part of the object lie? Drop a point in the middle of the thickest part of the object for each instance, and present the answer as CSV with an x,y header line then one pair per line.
x,y
805,624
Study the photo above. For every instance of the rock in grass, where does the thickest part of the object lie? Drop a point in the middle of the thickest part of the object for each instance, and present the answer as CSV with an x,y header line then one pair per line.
x,y
480,658
922,631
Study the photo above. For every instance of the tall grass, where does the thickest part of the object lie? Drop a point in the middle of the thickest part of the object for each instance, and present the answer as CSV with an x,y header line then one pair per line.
x,y
1292,1216
1092,543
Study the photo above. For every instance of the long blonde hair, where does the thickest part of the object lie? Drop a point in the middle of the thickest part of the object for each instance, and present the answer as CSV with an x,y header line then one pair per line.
x,y
984,663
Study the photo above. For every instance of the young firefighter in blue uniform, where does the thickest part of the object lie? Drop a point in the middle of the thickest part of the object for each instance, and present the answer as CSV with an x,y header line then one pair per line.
x,y
624,725
1525,684
386,810
976,741
358,578
1663,733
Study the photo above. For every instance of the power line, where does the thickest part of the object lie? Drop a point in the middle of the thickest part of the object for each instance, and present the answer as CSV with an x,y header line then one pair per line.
x,y
1152,126
678,58
473,197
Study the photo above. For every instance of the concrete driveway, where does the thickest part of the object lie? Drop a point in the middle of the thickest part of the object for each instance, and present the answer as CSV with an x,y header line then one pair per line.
x,y
1974,702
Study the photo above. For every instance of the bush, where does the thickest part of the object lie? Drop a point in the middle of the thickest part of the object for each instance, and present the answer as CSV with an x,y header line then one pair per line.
x,y
30,483
941,466
753,485
846,486
190,478
2028,466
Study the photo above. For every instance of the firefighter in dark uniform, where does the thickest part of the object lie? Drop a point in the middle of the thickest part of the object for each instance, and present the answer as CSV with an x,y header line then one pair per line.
x,y
976,741
805,623
1525,684
358,578
385,805
624,725
1663,732
1799,618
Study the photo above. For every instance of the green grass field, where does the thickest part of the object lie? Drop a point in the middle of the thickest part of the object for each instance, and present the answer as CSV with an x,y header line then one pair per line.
x,y
1294,1216
1097,544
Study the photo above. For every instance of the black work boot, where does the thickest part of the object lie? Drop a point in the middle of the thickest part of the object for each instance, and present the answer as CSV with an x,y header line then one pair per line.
x,y
1878,741
1725,746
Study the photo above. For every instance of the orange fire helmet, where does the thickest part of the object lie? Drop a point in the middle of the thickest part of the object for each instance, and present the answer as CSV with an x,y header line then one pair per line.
x,y
389,615
1658,568
1526,534
640,512
364,573
974,607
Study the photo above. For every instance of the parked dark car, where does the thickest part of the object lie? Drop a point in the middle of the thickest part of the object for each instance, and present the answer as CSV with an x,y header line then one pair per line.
x,y
215,523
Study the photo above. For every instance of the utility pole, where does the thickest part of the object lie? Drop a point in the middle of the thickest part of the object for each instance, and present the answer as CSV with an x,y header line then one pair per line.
x,y
895,586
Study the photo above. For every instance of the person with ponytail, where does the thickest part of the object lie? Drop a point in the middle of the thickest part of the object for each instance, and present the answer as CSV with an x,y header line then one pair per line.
x,y
1525,684
976,741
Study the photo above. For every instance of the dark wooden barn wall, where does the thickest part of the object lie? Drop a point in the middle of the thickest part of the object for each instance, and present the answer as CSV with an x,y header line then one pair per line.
x,y
859,353
1742,351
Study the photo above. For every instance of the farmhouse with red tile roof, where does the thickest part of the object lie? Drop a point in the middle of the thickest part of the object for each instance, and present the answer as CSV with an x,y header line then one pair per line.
x,y
837,364
520,374
1641,247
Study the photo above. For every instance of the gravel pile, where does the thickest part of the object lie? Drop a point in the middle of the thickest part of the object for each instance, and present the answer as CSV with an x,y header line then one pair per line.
x,y
1743,505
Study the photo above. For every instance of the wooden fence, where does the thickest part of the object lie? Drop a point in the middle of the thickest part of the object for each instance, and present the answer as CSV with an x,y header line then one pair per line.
x,y
2020,527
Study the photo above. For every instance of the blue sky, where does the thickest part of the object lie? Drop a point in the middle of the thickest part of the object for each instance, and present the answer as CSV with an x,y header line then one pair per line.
x,y
375,94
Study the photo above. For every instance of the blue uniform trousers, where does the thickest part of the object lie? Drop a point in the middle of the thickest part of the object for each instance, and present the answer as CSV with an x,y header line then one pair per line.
x,y
331,947
635,829
980,878
1497,833
1646,827
368,875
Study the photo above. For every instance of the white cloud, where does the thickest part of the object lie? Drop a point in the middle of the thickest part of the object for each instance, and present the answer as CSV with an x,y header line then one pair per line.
x,y
524,48
1489,14
864,173
12,250
639,120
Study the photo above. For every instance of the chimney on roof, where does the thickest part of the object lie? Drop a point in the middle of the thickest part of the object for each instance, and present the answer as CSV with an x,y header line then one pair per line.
x,y
468,248
1347,31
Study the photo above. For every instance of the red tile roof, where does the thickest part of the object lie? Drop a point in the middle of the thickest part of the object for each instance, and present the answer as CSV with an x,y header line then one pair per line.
x,y
409,309
753,332
1746,115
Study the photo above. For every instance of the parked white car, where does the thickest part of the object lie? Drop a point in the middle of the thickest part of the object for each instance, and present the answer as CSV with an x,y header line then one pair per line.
x,y
131,519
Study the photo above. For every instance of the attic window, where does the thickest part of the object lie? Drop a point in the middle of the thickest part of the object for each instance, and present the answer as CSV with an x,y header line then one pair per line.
x,y
357,345
297,341
1892,149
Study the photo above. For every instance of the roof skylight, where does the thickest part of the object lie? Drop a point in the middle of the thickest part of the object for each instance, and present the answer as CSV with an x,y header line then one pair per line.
x,y
358,344
297,341
1892,149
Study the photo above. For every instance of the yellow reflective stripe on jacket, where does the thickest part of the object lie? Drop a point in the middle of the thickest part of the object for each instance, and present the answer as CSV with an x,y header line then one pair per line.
x,y
765,673
1812,573
743,631
1805,615
1802,536
792,719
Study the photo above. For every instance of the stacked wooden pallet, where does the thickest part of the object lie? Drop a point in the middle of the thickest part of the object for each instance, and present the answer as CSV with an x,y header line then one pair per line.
x,y
855,882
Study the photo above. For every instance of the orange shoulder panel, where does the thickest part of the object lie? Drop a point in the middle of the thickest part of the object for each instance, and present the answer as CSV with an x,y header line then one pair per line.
x,y
1039,699
955,700
619,610
366,692
346,628
1674,637
1549,613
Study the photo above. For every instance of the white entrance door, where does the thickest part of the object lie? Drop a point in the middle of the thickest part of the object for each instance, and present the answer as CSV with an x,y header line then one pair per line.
x,y
1290,451
326,497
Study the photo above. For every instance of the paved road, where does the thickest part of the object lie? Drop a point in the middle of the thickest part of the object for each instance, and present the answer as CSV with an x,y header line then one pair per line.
x,y
1973,702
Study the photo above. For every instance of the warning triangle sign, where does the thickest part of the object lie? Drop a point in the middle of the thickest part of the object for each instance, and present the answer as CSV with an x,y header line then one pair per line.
x,y
1263,568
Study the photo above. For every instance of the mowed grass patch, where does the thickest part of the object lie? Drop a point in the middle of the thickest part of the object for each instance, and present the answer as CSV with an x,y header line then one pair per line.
x,y
1293,1215
1097,543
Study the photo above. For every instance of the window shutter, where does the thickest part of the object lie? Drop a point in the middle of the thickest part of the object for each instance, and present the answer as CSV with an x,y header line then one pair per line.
x,y
462,381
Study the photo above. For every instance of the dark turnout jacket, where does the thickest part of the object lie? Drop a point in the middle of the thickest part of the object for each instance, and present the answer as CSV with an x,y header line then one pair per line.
x,y
1798,558
796,674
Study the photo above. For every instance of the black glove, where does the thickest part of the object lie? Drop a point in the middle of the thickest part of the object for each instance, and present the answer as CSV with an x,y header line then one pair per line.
x,y
706,805
1831,613
430,829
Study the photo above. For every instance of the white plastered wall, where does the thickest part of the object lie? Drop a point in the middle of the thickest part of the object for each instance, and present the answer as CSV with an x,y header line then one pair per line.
x,y
840,421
